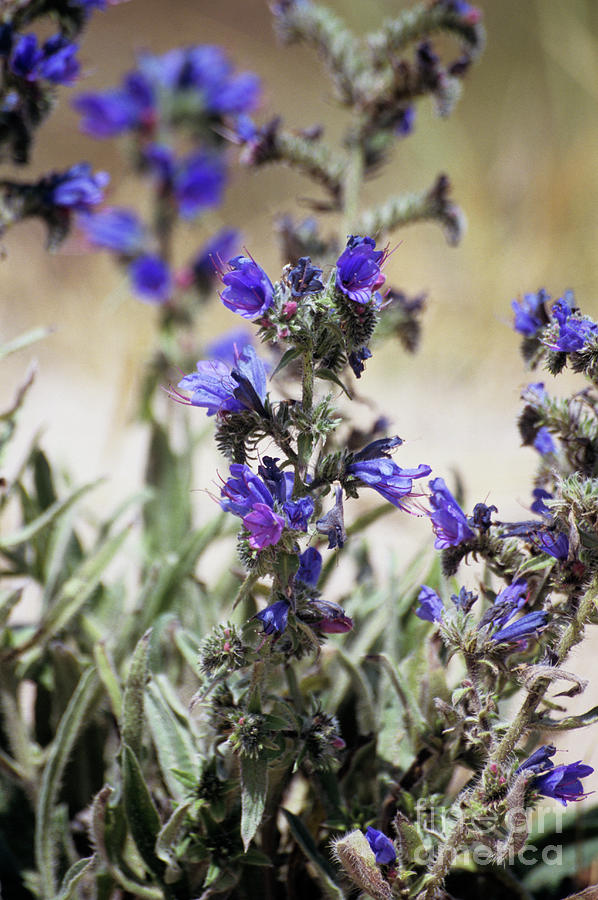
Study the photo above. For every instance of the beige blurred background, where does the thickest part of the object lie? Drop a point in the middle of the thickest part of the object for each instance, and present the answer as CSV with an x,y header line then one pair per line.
x,y
521,149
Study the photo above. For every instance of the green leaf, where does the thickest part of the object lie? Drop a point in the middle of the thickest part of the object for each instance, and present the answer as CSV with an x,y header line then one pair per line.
x,y
328,375
74,719
167,515
132,714
163,584
535,564
8,601
142,816
254,789
172,740
109,678
167,840
48,517
323,868
75,593
287,358
75,874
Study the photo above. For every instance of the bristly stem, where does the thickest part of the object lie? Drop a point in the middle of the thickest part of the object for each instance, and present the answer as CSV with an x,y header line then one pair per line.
x,y
351,190
522,721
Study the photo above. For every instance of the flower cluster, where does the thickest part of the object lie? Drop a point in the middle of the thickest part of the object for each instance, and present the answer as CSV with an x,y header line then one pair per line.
x,y
185,98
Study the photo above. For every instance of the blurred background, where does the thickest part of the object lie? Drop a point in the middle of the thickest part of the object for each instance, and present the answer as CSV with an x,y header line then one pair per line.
x,y
521,150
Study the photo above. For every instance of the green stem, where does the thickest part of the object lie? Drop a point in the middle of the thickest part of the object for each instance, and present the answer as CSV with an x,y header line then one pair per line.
x,y
571,636
245,588
351,190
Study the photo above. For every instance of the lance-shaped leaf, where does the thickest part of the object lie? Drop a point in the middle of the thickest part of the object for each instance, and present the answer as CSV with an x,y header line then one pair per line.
x,y
48,517
73,877
254,789
172,740
167,840
75,592
142,816
75,717
132,718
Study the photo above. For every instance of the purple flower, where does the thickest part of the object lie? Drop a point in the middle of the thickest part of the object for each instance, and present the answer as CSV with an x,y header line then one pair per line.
x,y
151,279
305,278
514,595
332,524
539,761
430,607
243,490
385,476
527,626
333,618
358,269
357,360
206,71
108,113
264,525
538,506
405,121
248,290
448,519
544,443
574,331
221,388
556,545
379,447
78,188
274,617
26,56
58,63
382,846
299,512
199,183
535,393
563,782
114,229
530,313
310,566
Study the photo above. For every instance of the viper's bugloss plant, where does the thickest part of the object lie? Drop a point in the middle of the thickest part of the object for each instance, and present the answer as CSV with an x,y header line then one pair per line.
x,y
256,731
